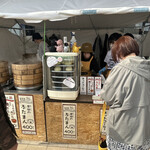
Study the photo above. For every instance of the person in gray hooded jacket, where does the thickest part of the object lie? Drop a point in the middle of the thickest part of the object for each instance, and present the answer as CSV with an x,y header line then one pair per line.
x,y
127,92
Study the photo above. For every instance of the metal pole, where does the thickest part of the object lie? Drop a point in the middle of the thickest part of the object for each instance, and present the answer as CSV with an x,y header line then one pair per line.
x,y
44,37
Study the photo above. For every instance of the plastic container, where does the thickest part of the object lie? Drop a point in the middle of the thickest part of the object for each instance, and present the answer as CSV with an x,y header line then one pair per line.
x,y
73,40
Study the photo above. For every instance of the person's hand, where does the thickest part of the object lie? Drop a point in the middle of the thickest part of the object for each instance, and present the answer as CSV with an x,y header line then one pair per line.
x,y
102,70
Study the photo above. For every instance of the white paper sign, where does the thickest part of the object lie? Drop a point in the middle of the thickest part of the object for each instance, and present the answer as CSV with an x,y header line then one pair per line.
x,y
90,85
83,85
69,82
97,86
105,121
96,101
27,114
69,116
11,110
52,61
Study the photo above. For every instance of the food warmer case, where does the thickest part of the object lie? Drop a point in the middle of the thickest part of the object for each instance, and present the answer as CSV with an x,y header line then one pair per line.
x,y
61,75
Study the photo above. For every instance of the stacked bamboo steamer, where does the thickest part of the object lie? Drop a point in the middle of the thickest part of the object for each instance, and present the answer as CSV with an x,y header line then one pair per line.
x,y
4,72
27,75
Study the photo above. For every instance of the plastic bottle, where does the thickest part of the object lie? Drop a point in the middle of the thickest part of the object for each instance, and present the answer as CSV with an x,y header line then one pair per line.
x,y
73,40
66,45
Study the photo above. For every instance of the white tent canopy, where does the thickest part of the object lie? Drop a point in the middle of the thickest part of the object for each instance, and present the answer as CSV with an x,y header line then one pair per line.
x,y
74,14
103,13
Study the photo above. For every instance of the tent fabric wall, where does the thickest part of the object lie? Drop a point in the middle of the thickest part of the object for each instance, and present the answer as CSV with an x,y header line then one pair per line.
x,y
11,48
146,46
85,22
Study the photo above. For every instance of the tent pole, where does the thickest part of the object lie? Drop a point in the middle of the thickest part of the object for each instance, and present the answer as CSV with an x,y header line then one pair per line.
x,y
24,42
44,36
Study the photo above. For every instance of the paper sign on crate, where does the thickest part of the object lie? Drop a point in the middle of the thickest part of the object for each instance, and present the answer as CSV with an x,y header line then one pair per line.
x,y
69,115
27,114
11,109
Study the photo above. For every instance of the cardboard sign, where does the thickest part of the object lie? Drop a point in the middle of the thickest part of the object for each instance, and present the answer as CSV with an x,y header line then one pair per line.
x,y
27,114
97,100
69,115
90,85
52,61
11,110
83,85
97,86
69,82
105,121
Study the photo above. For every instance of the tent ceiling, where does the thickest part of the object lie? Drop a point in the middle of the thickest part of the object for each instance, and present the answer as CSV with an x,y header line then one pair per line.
x,y
95,22
75,14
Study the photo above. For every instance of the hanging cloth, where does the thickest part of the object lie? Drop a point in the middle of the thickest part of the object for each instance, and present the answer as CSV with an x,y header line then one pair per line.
x,y
97,48
104,51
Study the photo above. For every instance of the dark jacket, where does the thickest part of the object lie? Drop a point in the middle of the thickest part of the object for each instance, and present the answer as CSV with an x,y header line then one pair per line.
x,y
7,131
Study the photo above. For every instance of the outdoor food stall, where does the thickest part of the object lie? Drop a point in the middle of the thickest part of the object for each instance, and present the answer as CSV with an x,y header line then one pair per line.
x,y
50,100
24,98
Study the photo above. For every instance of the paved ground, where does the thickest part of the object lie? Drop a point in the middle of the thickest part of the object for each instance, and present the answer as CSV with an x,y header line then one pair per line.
x,y
28,145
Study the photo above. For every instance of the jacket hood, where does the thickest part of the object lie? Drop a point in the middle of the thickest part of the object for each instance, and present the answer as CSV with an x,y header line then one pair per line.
x,y
138,65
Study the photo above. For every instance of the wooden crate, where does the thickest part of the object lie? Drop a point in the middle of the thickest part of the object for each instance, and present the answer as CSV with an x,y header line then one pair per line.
x,y
4,73
88,123
39,119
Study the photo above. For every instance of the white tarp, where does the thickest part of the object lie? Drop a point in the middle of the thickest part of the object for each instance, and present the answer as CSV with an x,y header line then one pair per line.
x,y
69,15
37,10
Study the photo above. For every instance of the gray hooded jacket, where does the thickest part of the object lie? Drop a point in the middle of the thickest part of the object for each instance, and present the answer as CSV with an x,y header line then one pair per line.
x,y
127,92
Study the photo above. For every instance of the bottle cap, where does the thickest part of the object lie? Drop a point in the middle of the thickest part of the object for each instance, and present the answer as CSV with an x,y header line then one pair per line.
x,y
72,33
65,39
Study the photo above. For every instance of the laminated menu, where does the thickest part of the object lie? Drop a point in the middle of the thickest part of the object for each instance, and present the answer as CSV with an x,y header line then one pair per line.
x,y
90,85
83,85
97,86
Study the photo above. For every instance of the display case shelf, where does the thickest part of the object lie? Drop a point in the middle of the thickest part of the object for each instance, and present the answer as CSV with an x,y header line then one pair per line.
x,y
56,82
62,71
62,77
65,65
57,87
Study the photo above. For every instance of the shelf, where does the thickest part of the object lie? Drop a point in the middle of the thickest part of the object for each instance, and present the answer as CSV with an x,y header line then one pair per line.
x,y
56,82
57,87
65,65
61,77
67,59
62,71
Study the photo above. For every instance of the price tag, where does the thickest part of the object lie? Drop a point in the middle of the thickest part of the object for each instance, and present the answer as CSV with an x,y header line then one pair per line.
x,y
52,61
69,82
27,114
11,110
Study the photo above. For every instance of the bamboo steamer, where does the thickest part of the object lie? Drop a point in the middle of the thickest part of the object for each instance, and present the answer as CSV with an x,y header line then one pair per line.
x,y
4,72
27,75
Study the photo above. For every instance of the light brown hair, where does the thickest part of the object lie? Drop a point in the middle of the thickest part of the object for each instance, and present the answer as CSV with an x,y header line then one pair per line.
x,y
123,47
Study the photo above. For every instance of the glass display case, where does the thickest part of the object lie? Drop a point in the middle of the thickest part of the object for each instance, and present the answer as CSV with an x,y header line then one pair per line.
x,y
62,72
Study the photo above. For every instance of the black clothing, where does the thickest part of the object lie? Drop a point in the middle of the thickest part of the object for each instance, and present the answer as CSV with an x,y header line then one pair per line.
x,y
7,130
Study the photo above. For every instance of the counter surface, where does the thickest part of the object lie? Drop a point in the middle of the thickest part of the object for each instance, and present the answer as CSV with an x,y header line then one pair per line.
x,y
11,89
80,99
